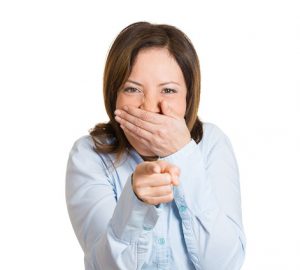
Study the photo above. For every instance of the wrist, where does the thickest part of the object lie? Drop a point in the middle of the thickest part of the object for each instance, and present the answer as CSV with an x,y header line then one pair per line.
x,y
133,189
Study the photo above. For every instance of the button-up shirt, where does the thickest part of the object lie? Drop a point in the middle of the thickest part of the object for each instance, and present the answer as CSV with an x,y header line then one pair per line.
x,y
200,229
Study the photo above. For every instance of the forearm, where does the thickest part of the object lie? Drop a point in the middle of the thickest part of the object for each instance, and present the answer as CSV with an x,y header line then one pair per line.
x,y
208,201
126,241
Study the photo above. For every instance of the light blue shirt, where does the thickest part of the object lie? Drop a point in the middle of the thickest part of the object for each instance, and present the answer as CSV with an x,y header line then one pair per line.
x,y
200,229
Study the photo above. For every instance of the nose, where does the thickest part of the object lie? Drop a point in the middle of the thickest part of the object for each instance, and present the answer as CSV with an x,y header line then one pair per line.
x,y
151,103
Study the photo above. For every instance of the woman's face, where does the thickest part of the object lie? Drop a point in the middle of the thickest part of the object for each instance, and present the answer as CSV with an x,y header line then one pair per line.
x,y
155,76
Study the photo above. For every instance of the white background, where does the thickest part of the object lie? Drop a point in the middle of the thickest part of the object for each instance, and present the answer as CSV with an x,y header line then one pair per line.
x,y
52,55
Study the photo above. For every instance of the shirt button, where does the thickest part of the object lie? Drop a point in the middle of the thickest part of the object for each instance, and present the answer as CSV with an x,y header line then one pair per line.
x,y
161,241
147,228
182,208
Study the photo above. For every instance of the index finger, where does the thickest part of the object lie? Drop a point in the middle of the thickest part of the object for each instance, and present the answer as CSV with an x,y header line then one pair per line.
x,y
168,167
152,167
151,117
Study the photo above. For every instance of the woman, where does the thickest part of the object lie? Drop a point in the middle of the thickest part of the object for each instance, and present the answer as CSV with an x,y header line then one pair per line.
x,y
155,188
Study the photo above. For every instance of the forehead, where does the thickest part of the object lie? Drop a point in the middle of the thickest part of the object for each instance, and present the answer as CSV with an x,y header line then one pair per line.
x,y
154,54
156,63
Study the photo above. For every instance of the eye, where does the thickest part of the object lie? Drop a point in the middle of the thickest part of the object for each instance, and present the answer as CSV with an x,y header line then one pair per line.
x,y
169,90
131,90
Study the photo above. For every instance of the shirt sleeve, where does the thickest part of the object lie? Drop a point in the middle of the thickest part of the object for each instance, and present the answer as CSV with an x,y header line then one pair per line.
x,y
209,203
113,234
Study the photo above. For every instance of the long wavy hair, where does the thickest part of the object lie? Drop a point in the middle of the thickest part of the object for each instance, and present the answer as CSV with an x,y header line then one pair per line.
x,y
109,137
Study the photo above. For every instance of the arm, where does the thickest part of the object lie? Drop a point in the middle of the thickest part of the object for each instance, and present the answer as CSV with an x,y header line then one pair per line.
x,y
113,234
208,201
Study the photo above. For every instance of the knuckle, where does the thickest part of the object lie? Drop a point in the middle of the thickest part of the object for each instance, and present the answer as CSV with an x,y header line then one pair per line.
x,y
145,200
151,201
169,189
137,130
171,196
141,195
137,183
161,132
144,141
138,122
156,140
145,115
168,178
166,199
165,190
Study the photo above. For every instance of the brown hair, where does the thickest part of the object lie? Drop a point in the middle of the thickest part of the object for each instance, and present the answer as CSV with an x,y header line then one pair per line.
x,y
118,67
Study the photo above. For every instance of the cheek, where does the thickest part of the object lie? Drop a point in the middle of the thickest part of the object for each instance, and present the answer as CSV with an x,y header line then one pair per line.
x,y
119,101
123,100
179,106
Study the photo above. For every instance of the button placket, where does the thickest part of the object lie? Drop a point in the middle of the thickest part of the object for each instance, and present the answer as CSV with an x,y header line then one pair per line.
x,y
161,242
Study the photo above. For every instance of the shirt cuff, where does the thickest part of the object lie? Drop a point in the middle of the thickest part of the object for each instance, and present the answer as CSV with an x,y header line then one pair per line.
x,y
132,216
183,152
194,195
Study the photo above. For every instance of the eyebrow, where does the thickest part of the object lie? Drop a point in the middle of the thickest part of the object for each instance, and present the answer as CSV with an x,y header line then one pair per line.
x,y
161,84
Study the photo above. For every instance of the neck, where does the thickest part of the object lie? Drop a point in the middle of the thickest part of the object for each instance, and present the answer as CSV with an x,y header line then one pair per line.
x,y
149,158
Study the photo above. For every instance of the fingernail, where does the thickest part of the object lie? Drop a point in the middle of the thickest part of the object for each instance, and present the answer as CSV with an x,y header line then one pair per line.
x,y
117,112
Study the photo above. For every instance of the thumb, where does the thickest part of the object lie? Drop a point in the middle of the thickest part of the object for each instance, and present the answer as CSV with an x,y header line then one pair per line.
x,y
153,167
173,170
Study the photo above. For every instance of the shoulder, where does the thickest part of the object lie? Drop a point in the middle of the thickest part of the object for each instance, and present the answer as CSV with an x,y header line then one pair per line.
x,y
83,143
84,150
213,135
83,156
86,142
212,132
